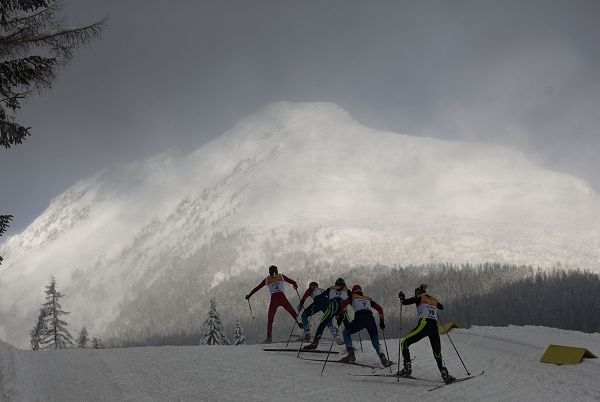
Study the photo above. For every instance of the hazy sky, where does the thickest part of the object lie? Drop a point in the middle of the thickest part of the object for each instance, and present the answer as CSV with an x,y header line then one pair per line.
x,y
177,73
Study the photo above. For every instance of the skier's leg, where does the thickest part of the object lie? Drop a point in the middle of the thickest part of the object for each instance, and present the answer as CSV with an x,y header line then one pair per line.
x,y
304,317
436,347
285,303
331,311
271,315
413,336
350,329
371,328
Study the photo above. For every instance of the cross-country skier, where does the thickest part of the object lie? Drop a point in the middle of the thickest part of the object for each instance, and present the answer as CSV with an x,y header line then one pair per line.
x,y
336,295
427,308
320,303
363,319
275,282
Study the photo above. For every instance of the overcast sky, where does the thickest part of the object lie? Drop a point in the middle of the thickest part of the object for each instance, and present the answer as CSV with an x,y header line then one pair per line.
x,y
177,73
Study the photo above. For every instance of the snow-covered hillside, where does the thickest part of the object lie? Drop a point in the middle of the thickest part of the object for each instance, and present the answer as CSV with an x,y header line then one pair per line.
x,y
293,185
510,357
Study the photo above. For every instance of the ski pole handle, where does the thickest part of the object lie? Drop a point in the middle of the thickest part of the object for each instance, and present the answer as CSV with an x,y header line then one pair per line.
x,y
249,305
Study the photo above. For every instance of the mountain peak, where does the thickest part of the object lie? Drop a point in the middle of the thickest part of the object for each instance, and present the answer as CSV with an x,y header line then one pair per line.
x,y
302,184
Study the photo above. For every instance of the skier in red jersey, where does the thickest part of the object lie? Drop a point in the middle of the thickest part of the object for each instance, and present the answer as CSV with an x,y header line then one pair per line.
x,y
275,282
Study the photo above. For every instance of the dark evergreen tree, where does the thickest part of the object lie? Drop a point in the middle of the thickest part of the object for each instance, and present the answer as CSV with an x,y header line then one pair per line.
x,y
213,332
97,343
83,339
34,42
38,331
4,219
239,338
57,336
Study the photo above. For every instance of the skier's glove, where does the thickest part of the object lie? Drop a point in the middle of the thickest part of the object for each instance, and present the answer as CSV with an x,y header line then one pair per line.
x,y
300,306
401,295
339,320
295,286
382,324
247,297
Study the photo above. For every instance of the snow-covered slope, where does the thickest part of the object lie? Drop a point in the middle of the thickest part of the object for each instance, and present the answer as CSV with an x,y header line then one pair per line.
x,y
510,357
293,185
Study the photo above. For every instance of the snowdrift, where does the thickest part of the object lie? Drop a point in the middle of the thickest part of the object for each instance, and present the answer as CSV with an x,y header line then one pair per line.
x,y
509,355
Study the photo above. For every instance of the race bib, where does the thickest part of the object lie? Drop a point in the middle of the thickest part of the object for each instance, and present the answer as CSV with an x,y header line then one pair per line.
x,y
275,283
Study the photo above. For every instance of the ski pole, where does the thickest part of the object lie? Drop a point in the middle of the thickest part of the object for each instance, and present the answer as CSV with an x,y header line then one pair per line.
x,y
456,350
299,298
329,351
399,341
249,305
360,339
290,337
386,349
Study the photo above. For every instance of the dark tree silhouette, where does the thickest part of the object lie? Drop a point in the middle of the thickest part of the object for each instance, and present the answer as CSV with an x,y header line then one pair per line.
x,y
56,336
34,42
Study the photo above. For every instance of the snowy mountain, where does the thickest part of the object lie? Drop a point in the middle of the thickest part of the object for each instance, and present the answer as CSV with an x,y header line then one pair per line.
x,y
294,185
509,355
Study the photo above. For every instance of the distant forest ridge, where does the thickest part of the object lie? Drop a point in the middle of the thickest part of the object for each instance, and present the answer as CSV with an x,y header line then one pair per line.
x,y
484,294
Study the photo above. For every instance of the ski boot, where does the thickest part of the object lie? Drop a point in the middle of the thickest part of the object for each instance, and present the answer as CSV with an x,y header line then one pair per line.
x,y
268,339
349,358
313,345
446,376
406,370
384,361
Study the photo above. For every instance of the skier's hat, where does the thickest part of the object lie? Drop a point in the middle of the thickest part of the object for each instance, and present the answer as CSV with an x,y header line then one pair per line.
x,y
313,285
356,289
340,282
421,289
272,270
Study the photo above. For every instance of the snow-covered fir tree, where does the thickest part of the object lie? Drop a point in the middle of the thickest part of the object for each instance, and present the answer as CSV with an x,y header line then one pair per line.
x,y
38,331
97,343
239,338
56,336
213,332
83,339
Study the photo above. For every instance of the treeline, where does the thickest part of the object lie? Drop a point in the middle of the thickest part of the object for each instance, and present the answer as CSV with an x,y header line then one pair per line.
x,y
484,294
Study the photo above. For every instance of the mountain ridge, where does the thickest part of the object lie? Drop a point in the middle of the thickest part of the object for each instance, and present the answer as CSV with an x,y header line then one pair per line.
x,y
293,180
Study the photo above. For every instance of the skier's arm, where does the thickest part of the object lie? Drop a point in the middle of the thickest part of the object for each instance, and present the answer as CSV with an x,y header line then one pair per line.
x,y
257,288
411,300
378,308
303,299
305,296
343,307
380,311
290,281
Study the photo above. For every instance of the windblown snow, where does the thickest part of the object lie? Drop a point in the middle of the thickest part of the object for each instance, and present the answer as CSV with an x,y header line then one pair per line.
x,y
293,184
510,357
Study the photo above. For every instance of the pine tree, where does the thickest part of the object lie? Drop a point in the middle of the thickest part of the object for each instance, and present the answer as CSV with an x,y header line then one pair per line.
x,y
97,343
83,339
34,42
239,338
56,336
38,331
213,332
4,219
